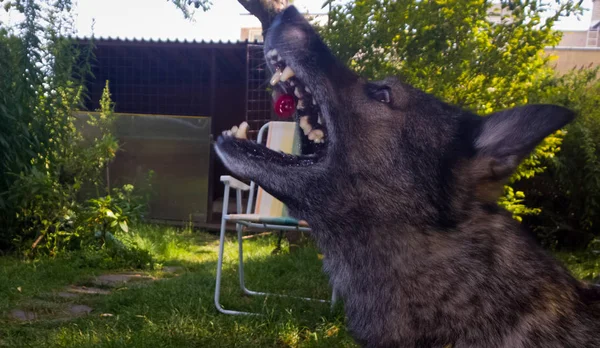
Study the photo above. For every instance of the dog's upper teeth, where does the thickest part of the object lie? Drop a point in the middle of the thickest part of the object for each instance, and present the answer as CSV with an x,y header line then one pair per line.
x,y
272,53
287,73
276,77
316,135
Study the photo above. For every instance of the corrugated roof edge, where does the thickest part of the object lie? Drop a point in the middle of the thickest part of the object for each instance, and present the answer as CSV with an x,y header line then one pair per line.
x,y
154,41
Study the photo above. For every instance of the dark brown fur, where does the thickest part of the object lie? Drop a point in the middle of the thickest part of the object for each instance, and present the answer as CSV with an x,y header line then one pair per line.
x,y
402,203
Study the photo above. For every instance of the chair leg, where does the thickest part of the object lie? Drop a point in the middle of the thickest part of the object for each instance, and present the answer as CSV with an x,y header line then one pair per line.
x,y
241,259
258,293
333,298
239,230
220,260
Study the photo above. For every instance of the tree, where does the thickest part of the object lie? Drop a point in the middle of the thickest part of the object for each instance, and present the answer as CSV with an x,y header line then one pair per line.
x,y
453,50
264,10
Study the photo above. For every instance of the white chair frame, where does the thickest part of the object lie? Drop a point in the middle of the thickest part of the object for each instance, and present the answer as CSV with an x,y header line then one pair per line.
x,y
239,186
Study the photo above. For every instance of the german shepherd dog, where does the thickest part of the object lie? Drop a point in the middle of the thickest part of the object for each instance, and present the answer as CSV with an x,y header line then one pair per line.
x,y
401,198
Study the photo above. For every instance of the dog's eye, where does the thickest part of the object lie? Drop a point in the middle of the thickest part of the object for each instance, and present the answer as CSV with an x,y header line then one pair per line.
x,y
380,93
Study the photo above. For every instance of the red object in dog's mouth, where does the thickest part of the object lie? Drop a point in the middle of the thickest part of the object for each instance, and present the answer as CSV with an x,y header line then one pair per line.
x,y
285,106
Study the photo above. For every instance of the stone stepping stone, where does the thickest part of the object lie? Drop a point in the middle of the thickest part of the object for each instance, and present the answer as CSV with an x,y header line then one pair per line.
x,y
120,278
23,315
172,269
64,294
79,310
74,291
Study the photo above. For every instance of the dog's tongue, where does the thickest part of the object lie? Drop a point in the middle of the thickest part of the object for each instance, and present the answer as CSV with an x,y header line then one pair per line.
x,y
284,105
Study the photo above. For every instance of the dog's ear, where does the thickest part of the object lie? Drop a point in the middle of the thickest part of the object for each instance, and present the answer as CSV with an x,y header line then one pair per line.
x,y
505,138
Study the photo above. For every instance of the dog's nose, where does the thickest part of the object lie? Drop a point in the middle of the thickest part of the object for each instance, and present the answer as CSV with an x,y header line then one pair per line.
x,y
289,15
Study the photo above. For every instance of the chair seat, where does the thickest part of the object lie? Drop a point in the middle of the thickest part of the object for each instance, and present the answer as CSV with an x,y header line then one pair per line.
x,y
271,220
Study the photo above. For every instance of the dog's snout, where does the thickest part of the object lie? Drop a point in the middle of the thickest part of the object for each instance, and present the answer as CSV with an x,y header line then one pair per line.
x,y
290,34
288,16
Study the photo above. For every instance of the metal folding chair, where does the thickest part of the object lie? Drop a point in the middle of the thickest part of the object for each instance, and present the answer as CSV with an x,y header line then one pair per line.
x,y
267,214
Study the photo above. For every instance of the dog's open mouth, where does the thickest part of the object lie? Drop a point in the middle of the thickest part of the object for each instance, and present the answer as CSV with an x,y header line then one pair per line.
x,y
308,113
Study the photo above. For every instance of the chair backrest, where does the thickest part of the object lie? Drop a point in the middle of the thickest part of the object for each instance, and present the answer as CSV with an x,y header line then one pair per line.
x,y
284,137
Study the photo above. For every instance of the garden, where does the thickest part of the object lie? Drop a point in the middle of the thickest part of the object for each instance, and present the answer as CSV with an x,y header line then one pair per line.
x,y
80,265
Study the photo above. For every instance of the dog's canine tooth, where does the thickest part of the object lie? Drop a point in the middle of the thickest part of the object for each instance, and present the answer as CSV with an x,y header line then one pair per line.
x,y
307,89
242,131
272,53
276,77
314,101
287,73
298,92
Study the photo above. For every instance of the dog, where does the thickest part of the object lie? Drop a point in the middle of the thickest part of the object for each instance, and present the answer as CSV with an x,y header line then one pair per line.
x,y
401,197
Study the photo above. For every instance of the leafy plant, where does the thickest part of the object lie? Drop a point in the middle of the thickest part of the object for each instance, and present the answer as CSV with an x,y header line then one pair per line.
x,y
455,51
569,191
53,195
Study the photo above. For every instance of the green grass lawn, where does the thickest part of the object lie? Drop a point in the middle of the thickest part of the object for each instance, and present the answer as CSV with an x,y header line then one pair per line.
x,y
175,311
178,311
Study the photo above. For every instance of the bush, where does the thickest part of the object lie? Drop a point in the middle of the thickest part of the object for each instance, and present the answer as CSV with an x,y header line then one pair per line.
x,y
52,193
453,50
568,193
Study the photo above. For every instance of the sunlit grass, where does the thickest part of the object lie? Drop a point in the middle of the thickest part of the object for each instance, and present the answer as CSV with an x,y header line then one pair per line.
x,y
179,312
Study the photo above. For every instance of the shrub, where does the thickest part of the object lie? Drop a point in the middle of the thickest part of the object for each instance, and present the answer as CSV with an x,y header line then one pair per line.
x,y
52,193
568,193
453,50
